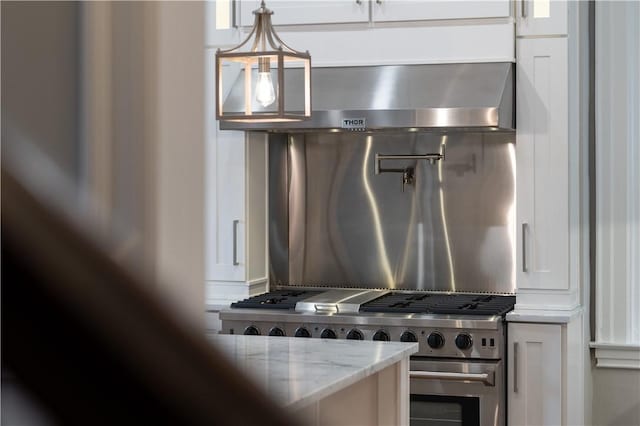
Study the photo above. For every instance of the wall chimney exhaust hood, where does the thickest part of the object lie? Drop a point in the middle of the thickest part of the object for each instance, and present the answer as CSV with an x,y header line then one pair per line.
x,y
475,96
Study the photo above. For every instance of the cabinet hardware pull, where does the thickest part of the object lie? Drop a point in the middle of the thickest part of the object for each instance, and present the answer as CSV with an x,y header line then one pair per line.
x,y
515,367
379,2
486,378
234,20
525,231
523,8
235,242
358,2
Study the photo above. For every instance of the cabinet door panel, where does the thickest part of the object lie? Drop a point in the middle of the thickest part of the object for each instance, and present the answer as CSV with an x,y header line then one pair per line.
x,y
394,45
399,10
307,12
226,208
541,17
542,164
535,374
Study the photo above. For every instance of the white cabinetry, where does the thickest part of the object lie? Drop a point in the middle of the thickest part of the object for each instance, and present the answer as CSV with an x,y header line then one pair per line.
x,y
541,17
226,207
535,379
545,372
550,147
236,265
236,242
219,28
307,12
373,33
546,349
400,10
542,163
363,11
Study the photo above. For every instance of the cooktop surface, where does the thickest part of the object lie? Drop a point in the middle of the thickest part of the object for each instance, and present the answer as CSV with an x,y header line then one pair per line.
x,y
389,302
430,303
277,299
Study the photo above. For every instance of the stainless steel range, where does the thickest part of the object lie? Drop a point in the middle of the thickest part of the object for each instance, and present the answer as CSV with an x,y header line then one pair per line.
x,y
456,377
402,229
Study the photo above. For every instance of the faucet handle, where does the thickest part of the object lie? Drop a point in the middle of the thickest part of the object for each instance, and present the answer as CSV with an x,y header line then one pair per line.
x,y
407,177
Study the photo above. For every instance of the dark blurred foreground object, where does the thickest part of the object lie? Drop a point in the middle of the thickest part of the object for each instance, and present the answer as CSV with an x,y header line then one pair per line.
x,y
93,346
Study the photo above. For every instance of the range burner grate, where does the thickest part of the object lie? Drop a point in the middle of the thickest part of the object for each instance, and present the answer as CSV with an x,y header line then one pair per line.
x,y
429,303
278,299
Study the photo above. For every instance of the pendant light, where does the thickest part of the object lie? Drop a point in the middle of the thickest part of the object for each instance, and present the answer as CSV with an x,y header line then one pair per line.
x,y
265,91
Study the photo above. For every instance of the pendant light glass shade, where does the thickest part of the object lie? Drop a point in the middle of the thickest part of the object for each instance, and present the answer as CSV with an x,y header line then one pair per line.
x,y
275,80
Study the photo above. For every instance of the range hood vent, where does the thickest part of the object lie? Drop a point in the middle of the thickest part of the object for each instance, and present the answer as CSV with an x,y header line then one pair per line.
x,y
477,96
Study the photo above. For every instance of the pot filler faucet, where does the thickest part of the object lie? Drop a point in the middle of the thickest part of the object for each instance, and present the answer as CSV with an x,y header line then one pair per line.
x,y
408,173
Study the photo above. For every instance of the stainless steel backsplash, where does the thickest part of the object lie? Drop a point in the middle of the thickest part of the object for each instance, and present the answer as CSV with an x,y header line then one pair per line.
x,y
334,222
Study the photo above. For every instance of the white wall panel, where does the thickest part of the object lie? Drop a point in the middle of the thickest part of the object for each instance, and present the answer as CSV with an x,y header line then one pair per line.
x,y
617,184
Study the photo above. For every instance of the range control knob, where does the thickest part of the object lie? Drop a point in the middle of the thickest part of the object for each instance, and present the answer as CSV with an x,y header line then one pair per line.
x,y
327,333
252,330
463,341
276,331
382,336
302,332
435,340
355,335
408,336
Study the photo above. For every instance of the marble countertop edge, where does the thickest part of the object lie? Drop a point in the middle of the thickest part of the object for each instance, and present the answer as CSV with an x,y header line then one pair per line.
x,y
543,316
363,373
297,372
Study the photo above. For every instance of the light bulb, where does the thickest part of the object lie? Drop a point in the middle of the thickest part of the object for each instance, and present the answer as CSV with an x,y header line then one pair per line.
x,y
265,94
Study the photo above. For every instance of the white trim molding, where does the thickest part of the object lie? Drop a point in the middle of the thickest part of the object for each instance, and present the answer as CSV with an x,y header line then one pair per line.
x,y
609,355
224,293
617,185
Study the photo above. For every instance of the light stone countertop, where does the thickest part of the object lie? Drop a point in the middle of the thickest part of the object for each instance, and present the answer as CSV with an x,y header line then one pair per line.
x,y
297,371
542,316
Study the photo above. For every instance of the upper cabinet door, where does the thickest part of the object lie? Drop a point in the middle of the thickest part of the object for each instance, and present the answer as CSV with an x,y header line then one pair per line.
x,y
220,30
308,12
541,17
411,10
542,147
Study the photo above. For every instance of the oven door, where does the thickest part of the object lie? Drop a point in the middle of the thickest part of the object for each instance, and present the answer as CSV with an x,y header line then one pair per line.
x,y
455,392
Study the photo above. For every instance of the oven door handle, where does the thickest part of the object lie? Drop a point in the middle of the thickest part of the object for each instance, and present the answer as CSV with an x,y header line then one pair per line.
x,y
486,378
